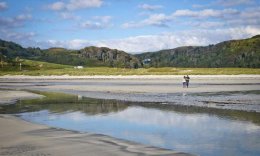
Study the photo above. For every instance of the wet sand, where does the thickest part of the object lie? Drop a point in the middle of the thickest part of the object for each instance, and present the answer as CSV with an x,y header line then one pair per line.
x,y
10,97
216,91
21,138
136,84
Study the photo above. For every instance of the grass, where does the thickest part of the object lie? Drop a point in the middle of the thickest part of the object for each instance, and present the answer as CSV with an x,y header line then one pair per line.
x,y
50,97
30,65
37,68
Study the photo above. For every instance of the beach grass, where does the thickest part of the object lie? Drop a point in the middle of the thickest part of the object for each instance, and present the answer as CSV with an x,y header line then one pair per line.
x,y
141,71
37,68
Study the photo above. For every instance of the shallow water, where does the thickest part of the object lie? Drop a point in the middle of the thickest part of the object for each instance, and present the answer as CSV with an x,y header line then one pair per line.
x,y
196,130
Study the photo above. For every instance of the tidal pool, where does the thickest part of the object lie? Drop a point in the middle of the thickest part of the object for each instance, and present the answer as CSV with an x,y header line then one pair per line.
x,y
201,131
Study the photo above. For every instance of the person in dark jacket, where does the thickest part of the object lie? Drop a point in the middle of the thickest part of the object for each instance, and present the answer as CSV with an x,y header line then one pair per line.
x,y
187,81
184,82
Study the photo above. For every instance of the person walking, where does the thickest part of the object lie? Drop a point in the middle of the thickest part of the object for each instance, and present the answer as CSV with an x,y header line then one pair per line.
x,y
187,81
184,82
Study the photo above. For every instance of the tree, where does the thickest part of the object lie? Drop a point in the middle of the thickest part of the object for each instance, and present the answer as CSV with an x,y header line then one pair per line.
x,y
2,60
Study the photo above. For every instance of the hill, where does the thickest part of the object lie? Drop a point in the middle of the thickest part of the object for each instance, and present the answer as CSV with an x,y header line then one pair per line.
x,y
89,56
234,53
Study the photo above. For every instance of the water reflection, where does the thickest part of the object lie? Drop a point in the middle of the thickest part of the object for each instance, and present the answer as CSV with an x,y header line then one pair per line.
x,y
190,129
60,103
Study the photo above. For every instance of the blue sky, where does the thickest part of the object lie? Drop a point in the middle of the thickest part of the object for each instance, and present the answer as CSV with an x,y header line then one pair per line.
x,y
130,25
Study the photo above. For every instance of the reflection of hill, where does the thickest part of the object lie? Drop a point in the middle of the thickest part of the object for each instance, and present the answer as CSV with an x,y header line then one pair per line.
x,y
59,103
93,108
221,113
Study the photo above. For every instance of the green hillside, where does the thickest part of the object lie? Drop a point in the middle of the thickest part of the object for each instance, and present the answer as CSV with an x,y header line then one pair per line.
x,y
10,53
234,53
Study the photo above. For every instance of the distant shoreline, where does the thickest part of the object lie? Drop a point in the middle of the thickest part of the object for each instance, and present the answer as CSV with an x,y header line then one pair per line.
x,y
64,77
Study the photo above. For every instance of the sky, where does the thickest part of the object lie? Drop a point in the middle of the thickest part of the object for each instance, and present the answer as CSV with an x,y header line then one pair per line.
x,y
131,25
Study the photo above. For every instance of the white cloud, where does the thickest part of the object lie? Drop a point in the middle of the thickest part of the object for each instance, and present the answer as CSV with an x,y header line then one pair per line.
x,y
75,5
154,20
206,25
98,22
103,19
225,3
177,39
18,35
3,6
81,4
150,7
252,30
76,43
131,25
145,43
229,3
68,16
157,20
247,17
23,17
251,13
150,42
57,6
24,38
197,6
11,22
92,25
163,20
71,44
204,13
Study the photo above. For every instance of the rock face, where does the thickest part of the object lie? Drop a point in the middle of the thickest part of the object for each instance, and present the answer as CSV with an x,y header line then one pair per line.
x,y
113,57
234,53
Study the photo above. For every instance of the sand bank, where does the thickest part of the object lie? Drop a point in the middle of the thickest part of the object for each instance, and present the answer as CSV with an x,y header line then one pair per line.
x,y
10,96
238,92
135,84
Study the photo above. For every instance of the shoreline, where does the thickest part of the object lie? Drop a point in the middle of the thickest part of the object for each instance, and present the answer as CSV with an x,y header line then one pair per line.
x,y
235,92
65,77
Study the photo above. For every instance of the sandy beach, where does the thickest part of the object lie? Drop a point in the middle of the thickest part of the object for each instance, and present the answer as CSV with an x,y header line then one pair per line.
x,y
210,90
20,137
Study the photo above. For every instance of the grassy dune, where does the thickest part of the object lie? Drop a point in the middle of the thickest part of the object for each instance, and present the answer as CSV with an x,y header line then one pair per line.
x,y
37,68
